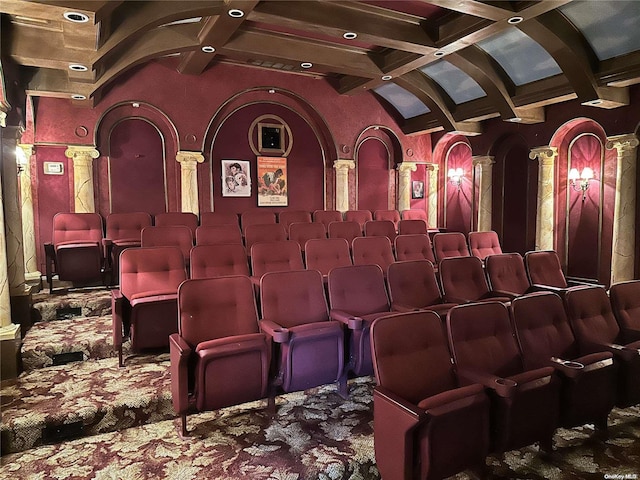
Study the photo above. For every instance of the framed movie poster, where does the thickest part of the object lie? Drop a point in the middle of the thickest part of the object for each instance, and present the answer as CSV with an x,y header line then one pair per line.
x,y
236,178
417,189
272,182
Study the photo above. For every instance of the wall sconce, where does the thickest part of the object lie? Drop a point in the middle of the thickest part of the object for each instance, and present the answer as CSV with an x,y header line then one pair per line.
x,y
455,176
21,160
580,181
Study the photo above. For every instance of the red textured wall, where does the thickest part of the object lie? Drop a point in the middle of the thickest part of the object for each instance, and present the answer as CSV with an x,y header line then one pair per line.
x,y
459,200
373,176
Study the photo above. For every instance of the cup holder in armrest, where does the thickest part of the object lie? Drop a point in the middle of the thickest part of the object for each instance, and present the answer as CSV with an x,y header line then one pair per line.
x,y
568,363
505,382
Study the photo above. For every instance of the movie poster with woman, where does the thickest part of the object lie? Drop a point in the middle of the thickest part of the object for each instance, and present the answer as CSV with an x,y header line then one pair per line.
x,y
236,178
272,182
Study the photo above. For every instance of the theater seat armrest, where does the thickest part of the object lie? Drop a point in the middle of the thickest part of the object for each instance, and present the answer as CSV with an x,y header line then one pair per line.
x,y
278,333
150,297
117,306
398,307
622,352
180,351
452,400
351,321
549,288
502,386
504,293
568,368
410,411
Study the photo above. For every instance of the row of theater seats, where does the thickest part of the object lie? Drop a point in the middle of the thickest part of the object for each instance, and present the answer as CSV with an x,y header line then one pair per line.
x,y
82,251
495,378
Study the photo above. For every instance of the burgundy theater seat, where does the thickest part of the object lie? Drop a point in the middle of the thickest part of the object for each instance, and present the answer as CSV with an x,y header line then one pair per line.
x,y
450,244
218,357
463,280
169,236
309,347
412,227
545,272
327,216
380,228
588,382
625,301
144,308
391,215
414,247
426,425
76,252
373,251
507,275
302,232
414,214
595,327
345,229
483,244
124,230
325,254
524,403
217,234
186,219
359,216
413,286
357,295
208,219
256,217
279,256
287,217
268,232
209,261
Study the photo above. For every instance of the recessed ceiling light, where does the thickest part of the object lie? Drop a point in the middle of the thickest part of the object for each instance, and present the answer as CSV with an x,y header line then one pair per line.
x,y
208,49
306,64
271,90
597,101
386,77
77,96
439,53
350,35
514,20
235,13
135,105
514,119
76,67
76,17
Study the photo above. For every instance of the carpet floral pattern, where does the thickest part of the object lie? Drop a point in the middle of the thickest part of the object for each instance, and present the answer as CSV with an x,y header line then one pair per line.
x,y
96,302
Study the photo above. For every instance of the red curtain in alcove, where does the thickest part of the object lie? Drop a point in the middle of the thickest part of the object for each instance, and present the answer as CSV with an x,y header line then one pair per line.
x,y
459,203
137,169
373,175
584,215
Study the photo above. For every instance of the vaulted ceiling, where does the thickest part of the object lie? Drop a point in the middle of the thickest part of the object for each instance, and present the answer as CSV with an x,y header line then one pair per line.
x,y
436,64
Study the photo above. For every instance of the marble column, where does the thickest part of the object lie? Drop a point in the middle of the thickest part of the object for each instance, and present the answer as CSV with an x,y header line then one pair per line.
x,y
342,168
484,167
83,157
545,226
625,230
404,184
32,275
189,179
432,195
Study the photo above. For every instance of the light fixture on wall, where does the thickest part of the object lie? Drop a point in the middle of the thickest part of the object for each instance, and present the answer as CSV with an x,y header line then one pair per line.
x,y
455,176
580,181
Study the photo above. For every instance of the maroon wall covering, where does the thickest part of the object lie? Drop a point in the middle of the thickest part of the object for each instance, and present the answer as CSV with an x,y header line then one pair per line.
x,y
459,199
373,175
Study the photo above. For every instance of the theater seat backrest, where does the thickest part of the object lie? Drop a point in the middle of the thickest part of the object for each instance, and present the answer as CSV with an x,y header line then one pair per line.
x,y
275,257
127,225
153,269
77,227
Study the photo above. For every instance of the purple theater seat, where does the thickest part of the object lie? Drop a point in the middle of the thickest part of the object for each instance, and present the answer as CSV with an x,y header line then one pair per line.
x,y
625,301
358,216
218,357
483,244
450,244
169,236
524,402
507,275
279,256
145,308
209,261
310,346
463,280
412,227
76,252
327,216
426,425
413,286
595,327
186,219
588,381
208,219
373,251
357,295
217,234
124,230
414,247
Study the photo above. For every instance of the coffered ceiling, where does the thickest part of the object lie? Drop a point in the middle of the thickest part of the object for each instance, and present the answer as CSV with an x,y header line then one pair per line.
x,y
436,64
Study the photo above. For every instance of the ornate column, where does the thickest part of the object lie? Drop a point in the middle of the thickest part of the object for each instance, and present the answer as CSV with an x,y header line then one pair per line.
x,y
545,226
432,195
625,229
342,168
189,179
83,156
484,166
404,184
32,275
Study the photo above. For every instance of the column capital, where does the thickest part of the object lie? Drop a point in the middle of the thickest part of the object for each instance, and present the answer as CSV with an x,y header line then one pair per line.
x,y
544,154
622,143
343,164
483,160
81,152
185,157
407,167
433,167
27,148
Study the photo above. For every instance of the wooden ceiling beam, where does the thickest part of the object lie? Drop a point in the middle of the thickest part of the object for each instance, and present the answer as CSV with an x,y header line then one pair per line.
x,y
475,8
215,32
